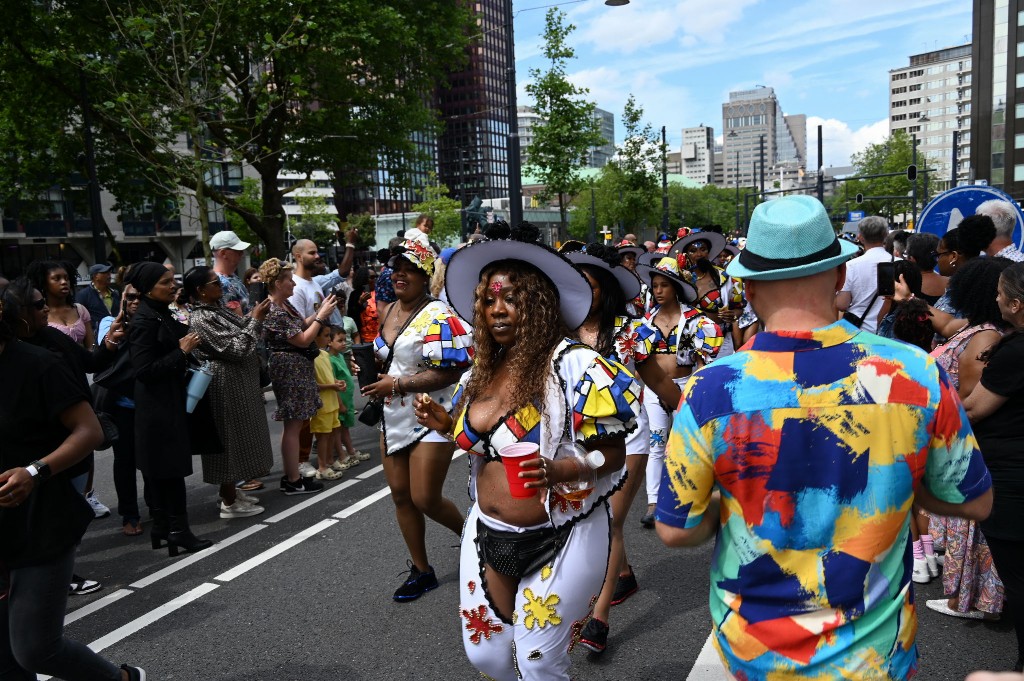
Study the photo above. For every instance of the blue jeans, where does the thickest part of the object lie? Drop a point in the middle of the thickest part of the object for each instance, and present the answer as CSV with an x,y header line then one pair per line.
x,y
32,626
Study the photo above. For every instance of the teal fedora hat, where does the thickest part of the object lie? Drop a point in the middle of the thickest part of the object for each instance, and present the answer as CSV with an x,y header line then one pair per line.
x,y
789,238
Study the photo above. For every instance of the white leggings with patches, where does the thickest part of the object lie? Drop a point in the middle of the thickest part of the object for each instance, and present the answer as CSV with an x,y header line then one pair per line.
x,y
660,424
552,605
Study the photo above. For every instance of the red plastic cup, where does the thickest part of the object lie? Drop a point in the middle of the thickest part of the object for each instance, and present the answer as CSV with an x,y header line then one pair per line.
x,y
511,455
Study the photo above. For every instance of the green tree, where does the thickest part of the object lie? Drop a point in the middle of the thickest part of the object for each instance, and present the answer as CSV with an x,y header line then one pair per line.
x,y
249,200
637,170
562,141
891,156
365,225
302,85
446,212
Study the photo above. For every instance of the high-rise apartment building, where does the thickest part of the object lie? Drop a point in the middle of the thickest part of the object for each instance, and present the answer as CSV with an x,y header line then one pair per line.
x,y
996,123
472,151
931,99
597,157
697,157
750,116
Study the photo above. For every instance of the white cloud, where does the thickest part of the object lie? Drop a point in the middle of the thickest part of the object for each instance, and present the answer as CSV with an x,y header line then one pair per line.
x,y
839,141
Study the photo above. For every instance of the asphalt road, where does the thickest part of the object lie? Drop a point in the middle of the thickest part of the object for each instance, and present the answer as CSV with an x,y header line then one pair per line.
x,y
303,593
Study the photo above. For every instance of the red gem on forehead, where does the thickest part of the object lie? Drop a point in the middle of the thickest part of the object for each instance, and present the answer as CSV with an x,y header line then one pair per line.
x,y
496,286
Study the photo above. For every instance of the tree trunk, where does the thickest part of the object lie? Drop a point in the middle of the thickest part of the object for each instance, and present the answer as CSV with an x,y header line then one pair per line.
x,y
563,230
202,210
272,223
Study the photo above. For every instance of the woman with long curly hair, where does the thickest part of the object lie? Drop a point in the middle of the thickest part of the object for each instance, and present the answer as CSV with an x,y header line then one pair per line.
x,y
533,559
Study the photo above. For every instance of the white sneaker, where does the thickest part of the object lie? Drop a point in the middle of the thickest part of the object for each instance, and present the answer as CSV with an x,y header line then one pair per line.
x,y
933,564
239,509
921,574
241,496
98,508
306,470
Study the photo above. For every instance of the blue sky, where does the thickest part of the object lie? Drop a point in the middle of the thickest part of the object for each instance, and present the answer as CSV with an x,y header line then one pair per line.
x,y
828,59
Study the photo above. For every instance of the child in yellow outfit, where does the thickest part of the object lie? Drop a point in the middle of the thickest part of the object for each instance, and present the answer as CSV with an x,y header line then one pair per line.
x,y
325,422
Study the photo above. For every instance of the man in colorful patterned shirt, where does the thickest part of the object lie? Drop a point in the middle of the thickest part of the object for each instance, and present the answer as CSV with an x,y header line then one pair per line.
x,y
228,251
809,448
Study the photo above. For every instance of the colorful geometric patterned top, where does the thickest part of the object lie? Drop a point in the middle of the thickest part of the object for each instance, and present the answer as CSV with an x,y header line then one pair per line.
x,y
815,441
695,335
599,399
234,296
435,339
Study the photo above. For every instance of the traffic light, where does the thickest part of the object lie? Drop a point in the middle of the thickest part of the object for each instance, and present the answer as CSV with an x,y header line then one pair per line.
x,y
912,172
860,198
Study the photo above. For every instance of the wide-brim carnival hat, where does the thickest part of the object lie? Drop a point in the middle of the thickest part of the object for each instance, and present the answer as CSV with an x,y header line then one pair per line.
x,y
649,258
668,268
715,241
628,282
627,247
463,274
790,237
419,253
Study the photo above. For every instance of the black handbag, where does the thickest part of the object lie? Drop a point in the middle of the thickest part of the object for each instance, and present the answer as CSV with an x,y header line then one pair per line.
x,y
119,377
110,432
372,413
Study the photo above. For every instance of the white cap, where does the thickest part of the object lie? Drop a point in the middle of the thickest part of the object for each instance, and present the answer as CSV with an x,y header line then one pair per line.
x,y
227,239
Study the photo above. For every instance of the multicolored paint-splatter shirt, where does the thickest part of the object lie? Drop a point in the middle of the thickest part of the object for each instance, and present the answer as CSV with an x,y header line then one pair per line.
x,y
815,441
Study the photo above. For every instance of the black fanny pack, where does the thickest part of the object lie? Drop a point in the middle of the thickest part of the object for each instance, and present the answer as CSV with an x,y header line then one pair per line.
x,y
517,554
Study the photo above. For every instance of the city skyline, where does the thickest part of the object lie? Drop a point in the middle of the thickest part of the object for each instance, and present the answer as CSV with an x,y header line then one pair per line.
x,y
681,58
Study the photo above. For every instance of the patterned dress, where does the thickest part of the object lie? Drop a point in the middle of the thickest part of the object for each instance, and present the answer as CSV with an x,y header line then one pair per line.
x,y
291,372
236,397
434,339
967,571
811,572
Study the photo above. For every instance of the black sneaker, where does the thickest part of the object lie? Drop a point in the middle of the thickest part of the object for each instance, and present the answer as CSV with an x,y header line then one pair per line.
x,y
417,584
624,587
300,486
134,673
594,636
648,521
80,586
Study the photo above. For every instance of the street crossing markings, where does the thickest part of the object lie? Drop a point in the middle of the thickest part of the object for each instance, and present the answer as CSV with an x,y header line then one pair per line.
x,y
370,473
152,616
707,666
196,557
96,605
362,503
312,501
276,550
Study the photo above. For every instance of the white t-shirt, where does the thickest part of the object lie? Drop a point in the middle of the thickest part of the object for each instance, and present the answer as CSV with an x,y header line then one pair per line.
x,y
306,297
861,284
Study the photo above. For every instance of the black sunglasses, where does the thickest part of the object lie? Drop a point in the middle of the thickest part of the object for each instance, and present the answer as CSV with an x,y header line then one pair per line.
x,y
215,282
130,297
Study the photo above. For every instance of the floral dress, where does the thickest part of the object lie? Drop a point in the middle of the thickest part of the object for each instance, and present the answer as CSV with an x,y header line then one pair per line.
x,y
291,371
968,572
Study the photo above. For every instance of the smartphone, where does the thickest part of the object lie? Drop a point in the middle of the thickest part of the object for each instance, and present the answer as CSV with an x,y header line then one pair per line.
x,y
367,289
257,292
886,276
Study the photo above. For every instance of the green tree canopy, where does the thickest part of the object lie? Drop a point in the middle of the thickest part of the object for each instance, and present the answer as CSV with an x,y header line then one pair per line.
x,y
446,212
562,140
891,156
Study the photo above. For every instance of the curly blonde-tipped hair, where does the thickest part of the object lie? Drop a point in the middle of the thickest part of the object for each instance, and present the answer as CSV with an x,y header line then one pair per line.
x,y
539,331
270,272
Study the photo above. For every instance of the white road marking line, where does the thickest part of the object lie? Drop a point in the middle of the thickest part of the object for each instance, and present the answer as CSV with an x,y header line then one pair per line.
x,y
707,666
312,501
362,503
152,616
276,550
196,557
76,615
370,473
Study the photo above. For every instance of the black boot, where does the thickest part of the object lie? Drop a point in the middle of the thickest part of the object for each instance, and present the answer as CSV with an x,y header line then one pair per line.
x,y
161,528
181,537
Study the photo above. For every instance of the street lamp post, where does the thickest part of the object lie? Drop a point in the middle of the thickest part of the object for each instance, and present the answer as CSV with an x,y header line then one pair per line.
x,y
593,212
664,182
515,170
736,179
762,167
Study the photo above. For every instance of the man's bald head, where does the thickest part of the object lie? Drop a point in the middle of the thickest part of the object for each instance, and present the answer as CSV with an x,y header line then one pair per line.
x,y
307,259
301,246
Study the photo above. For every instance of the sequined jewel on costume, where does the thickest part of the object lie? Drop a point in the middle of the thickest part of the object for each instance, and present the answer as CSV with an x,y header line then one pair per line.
x,y
482,626
496,287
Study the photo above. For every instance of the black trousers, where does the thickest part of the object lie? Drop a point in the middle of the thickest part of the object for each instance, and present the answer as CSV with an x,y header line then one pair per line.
x,y
124,467
168,495
1008,556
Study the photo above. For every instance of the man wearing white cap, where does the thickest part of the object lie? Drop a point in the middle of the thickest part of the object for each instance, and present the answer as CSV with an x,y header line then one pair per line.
x,y
804,453
228,251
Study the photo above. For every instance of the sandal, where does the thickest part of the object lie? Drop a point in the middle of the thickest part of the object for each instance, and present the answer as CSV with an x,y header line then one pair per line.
x,y
132,529
250,486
